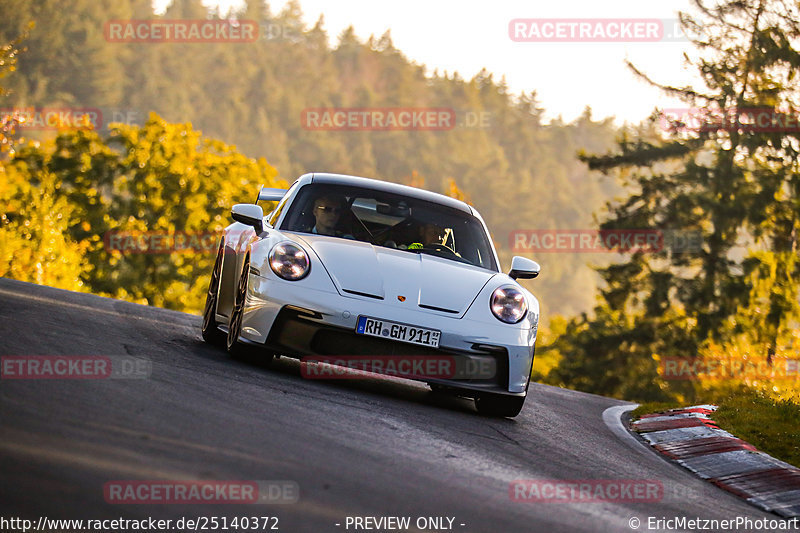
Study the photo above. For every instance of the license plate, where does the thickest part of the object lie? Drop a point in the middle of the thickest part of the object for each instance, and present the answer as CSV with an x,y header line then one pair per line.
x,y
376,327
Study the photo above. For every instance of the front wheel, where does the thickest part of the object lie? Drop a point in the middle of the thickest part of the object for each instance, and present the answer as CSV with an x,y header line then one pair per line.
x,y
236,349
237,313
211,333
499,405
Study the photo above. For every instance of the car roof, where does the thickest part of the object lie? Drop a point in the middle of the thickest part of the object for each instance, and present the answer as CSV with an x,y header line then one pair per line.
x,y
389,187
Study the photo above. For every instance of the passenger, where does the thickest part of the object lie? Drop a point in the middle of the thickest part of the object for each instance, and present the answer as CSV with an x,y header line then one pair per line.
x,y
430,235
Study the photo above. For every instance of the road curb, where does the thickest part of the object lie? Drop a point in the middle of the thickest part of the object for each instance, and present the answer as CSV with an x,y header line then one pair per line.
x,y
692,439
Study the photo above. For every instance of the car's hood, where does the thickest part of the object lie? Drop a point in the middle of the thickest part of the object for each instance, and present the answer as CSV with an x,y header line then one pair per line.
x,y
359,269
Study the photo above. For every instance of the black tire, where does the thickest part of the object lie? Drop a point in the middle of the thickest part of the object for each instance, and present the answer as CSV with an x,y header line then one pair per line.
x,y
235,349
247,353
210,329
530,374
499,405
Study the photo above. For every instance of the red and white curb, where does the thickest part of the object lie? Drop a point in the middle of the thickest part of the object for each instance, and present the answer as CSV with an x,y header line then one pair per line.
x,y
691,438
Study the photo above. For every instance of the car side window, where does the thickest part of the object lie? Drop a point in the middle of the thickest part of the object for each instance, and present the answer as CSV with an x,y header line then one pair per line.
x,y
276,214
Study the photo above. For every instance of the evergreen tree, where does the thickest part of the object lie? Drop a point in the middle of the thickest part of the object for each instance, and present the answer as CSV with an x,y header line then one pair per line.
x,y
734,184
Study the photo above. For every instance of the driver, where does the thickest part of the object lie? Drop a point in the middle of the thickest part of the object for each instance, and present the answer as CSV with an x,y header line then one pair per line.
x,y
327,212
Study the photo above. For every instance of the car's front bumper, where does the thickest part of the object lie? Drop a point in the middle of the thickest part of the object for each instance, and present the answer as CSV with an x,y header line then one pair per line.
x,y
297,321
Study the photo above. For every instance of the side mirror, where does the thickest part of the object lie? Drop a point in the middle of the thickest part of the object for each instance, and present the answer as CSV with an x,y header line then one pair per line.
x,y
523,268
249,214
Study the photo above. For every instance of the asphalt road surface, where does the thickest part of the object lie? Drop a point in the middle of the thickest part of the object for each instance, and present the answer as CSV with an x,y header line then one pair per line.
x,y
356,448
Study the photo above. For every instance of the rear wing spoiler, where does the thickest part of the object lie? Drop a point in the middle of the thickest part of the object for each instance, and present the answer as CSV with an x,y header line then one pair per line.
x,y
266,194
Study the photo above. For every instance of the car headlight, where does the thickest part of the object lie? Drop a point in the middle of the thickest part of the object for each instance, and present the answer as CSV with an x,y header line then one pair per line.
x,y
508,304
289,261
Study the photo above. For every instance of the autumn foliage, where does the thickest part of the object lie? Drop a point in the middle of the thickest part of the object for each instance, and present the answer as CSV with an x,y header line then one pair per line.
x,y
64,197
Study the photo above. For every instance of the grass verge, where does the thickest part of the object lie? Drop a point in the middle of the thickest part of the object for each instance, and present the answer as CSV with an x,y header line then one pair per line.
x,y
770,424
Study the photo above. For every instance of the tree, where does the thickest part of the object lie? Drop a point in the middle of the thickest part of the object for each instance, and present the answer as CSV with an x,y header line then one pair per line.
x,y
34,219
734,184
100,199
9,54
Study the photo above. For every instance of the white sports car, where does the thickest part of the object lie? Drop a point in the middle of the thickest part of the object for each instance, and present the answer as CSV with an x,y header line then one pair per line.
x,y
351,269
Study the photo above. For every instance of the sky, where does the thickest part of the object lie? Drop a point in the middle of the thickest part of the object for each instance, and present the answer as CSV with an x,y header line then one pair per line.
x,y
468,35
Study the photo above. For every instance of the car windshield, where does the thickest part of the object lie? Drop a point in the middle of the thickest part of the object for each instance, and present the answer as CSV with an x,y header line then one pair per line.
x,y
390,220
